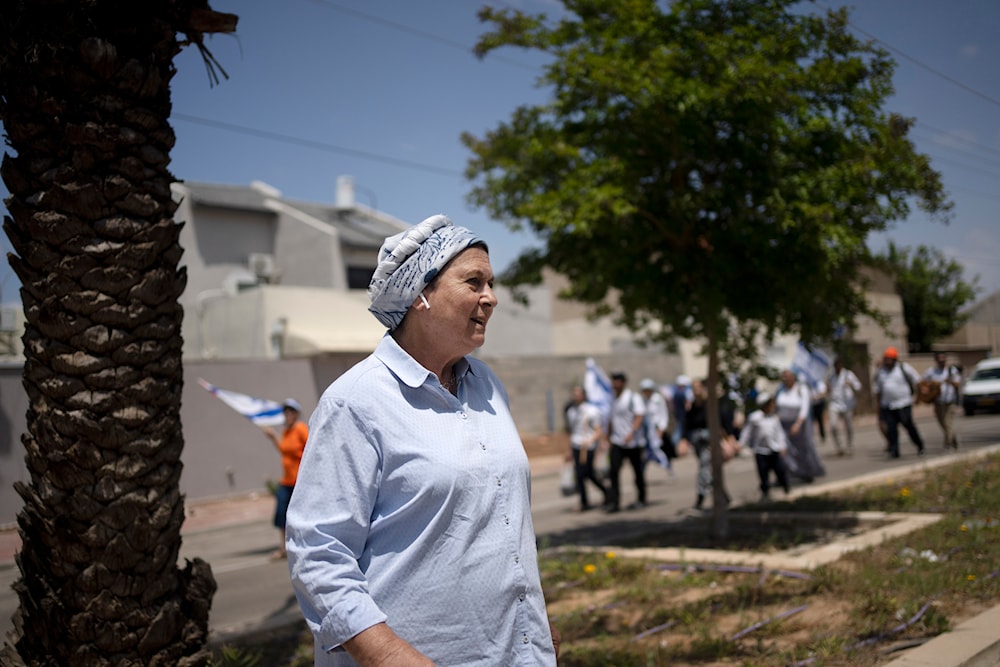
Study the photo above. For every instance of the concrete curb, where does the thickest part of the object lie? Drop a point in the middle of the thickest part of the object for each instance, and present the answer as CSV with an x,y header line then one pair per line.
x,y
975,643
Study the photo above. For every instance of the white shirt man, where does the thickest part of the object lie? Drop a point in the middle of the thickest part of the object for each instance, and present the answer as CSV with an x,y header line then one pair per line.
x,y
844,386
628,441
950,380
894,384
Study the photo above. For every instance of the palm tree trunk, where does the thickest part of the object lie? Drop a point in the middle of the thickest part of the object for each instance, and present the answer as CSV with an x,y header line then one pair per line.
x,y
86,103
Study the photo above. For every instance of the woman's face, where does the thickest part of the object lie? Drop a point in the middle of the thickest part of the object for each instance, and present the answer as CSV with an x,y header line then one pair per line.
x,y
462,302
698,389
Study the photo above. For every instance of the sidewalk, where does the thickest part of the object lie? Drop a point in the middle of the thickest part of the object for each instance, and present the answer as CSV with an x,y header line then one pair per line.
x,y
975,643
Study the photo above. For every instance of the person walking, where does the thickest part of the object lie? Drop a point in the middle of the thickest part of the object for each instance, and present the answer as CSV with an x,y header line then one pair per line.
x,y
290,445
894,385
679,397
793,405
584,438
410,536
697,434
628,441
949,380
818,393
843,388
764,436
657,424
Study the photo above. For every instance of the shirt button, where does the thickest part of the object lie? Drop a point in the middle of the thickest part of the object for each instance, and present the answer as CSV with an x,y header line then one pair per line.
x,y
517,559
499,482
521,597
483,445
506,520
524,639
463,415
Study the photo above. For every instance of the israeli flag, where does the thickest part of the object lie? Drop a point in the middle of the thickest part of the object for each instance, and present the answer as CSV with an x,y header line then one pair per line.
x,y
811,362
260,411
598,388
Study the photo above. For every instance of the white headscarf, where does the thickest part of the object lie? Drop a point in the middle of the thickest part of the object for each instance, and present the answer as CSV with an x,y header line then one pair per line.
x,y
409,261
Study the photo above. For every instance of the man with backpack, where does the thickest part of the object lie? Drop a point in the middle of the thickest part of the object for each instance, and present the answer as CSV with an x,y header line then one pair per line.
x,y
894,384
950,381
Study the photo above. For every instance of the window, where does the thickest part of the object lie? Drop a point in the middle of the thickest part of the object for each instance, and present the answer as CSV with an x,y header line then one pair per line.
x,y
358,277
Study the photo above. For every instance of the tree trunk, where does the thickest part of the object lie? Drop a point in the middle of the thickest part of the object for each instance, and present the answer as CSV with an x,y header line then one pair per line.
x,y
86,103
720,497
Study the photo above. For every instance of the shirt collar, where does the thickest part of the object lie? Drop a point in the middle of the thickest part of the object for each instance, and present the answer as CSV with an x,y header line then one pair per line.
x,y
406,368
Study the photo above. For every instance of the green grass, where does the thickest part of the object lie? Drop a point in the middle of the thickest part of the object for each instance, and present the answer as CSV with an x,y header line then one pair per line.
x,y
621,612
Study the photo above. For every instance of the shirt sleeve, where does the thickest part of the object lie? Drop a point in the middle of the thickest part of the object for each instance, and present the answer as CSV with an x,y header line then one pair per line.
x,y
853,380
805,397
328,523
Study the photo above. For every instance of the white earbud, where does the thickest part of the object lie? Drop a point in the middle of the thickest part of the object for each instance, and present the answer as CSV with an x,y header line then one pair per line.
x,y
424,299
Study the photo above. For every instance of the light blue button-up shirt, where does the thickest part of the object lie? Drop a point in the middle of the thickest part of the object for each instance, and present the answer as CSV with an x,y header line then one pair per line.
x,y
412,507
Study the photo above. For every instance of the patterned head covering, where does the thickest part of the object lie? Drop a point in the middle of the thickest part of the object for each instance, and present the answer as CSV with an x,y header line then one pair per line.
x,y
409,261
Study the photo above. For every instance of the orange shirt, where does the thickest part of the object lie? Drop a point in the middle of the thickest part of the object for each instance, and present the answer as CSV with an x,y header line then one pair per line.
x,y
293,443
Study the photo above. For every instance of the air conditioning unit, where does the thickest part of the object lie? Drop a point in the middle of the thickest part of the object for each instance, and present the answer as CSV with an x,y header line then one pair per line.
x,y
261,265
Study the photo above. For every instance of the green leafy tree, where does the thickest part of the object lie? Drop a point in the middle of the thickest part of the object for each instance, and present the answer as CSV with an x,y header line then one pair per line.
x,y
85,104
933,289
718,163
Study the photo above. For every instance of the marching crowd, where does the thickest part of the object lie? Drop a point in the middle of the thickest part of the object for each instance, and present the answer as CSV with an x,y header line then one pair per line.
x,y
662,423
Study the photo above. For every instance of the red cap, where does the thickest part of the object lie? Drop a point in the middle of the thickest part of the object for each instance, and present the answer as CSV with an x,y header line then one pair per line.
x,y
891,353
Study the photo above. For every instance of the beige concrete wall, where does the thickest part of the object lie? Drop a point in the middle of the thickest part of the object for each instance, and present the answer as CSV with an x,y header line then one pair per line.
x,y
225,454
13,408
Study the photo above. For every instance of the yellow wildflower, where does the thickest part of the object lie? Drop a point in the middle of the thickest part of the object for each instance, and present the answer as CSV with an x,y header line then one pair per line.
x,y
590,568
611,554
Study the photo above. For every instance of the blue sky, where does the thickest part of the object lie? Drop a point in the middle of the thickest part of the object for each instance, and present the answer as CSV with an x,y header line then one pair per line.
x,y
382,89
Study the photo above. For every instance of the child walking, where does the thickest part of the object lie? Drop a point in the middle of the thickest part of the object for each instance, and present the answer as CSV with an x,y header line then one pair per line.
x,y
764,435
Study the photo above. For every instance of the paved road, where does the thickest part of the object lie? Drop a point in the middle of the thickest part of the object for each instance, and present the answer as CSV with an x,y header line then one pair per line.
x,y
254,593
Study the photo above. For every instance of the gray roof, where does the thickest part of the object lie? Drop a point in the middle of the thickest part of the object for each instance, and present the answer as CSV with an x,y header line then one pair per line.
x,y
357,226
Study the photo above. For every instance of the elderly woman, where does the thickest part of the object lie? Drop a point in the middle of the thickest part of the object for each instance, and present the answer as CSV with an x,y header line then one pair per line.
x,y
793,401
410,538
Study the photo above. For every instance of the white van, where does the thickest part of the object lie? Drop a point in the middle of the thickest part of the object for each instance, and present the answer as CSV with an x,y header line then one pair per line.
x,y
982,389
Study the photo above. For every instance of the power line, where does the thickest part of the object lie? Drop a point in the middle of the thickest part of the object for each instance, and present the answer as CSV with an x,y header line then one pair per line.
x,y
918,63
316,145
959,138
327,4
965,165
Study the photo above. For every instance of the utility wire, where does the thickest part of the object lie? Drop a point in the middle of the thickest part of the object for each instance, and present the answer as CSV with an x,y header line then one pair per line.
x,y
960,139
918,63
414,31
987,167
317,145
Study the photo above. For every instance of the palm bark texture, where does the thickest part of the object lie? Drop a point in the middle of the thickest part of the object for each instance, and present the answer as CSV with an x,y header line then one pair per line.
x,y
85,103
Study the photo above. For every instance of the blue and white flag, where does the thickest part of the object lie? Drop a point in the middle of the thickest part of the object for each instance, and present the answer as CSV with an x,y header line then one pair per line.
x,y
811,362
598,388
260,411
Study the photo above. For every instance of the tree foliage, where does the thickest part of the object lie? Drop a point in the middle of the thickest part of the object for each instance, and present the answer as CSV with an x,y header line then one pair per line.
x,y
717,162
933,290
